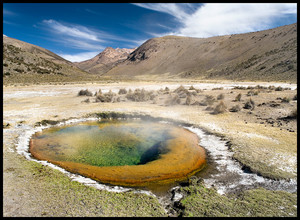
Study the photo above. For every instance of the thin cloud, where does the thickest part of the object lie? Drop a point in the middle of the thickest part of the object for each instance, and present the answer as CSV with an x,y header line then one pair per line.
x,y
178,10
222,19
72,31
8,12
10,23
83,38
92,12
215,19
81,44
81,35
79,56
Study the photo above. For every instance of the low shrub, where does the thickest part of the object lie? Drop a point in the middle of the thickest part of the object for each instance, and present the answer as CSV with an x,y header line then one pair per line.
x,y
271,87
173,100
99,92
220,108
220,97
252,93
85,93
235,108
192,88
181,90
218,88
140,95
122,91
293,114
209,100
86,100
240,87
285,99
188,100
106,97
249,104
209,108
279,88
238,97
194,93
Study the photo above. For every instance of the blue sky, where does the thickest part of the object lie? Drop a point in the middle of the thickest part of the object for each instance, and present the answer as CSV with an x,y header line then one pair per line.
x,y
79,31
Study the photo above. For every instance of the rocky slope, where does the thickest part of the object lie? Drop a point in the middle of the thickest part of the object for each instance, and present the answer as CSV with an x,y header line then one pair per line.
x,y
105,60
269,55
28,63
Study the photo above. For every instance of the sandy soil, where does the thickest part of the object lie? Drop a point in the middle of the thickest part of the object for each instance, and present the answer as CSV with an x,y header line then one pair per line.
x,y
263,139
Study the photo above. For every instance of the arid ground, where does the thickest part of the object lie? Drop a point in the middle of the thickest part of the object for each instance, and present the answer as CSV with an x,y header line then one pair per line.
x,y
261,136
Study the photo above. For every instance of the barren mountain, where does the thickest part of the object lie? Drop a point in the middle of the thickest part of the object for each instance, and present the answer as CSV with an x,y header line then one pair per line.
x,y
105,60
27,63
269,55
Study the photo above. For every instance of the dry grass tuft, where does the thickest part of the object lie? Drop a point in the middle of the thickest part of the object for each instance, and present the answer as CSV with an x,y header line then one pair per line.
x,y
235,108
122,91
220,108
85,93
238,97
172,100
249,104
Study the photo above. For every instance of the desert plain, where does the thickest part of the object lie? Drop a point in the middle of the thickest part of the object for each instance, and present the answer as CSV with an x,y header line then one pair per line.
x,y
261,140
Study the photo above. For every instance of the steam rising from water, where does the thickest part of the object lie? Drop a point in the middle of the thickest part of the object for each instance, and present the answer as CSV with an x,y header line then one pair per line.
x,y
216,148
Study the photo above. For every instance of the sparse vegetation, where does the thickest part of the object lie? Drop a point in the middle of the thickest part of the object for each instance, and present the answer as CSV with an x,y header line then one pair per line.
x,y
220,97
140,95
105,97
203,202
122,91
238,97
192,88
6,125
220,108
86,100
188,100
85,93
218,88
293,114
252,93
285,99
249,104
235,108
173,100
209,100
182,92
279,88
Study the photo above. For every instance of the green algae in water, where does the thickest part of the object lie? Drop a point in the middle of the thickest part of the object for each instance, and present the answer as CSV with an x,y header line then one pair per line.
x,y
105,143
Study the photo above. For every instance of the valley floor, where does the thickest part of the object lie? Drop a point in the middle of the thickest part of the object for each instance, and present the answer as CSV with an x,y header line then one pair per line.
x,y
263,140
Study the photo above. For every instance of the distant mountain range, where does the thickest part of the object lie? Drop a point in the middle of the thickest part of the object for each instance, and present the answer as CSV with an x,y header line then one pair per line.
x,y
269,55
105,60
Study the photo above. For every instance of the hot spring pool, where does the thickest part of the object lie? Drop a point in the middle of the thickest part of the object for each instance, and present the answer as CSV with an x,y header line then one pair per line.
x,y
122,152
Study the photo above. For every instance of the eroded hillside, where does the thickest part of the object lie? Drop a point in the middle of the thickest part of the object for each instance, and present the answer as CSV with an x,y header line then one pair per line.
x,y
269,55
27,63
